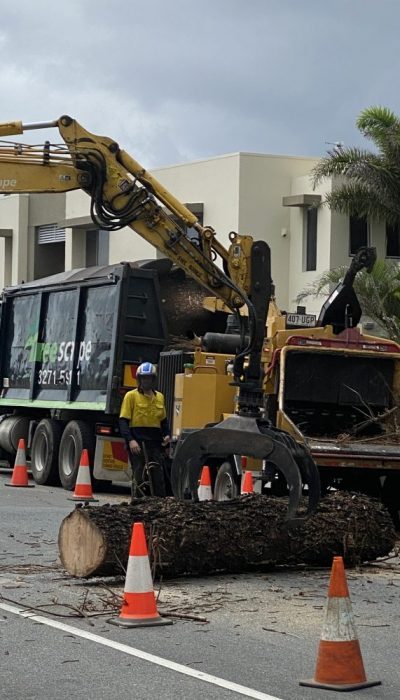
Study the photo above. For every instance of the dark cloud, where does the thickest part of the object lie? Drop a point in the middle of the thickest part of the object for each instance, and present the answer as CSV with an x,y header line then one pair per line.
x,y
181,80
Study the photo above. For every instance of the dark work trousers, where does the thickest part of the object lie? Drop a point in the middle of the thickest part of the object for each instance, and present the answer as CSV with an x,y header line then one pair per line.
x,y
148,471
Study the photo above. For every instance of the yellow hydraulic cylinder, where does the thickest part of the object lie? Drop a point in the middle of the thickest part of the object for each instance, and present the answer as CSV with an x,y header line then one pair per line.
x,y
10,128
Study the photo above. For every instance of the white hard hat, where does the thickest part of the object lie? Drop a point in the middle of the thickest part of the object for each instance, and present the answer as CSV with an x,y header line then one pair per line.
x,y
146,369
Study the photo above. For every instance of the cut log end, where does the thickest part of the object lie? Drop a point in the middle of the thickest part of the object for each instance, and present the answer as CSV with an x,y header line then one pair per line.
x,y
81,544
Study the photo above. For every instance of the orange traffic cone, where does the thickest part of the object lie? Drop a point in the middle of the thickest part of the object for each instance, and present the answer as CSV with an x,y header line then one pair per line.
x,y
247,485
139,608
204,491
20,471
83,487
339,663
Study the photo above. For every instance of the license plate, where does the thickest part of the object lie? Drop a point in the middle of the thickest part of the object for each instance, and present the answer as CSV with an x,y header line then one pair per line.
x,y
301,320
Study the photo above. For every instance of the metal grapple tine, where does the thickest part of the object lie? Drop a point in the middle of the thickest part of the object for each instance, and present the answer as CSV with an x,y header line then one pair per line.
x,y
310,476
302,456
283,461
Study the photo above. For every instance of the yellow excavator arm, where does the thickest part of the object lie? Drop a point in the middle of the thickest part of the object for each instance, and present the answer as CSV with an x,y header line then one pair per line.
x,y
123,193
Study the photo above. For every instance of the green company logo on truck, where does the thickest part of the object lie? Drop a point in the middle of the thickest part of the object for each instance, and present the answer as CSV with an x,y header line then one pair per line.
x,y
57,352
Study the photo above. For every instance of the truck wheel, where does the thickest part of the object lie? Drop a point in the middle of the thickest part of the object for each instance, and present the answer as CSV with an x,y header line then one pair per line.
x,y
180,485
226,487
391,497
77,436
44,451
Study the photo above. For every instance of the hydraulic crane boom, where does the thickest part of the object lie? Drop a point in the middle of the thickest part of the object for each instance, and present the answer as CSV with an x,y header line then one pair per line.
x,y
123,193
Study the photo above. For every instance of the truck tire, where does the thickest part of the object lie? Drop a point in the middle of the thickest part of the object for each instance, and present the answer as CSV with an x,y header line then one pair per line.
x,y
391,497
44,451
77,436
226,486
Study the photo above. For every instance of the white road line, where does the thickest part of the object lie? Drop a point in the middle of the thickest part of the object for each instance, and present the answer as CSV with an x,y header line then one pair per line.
x,y
151,658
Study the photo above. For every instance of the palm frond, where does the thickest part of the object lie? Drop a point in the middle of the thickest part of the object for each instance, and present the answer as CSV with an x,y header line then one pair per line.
x,y
356,199
341,161
322,285
376,122
378,293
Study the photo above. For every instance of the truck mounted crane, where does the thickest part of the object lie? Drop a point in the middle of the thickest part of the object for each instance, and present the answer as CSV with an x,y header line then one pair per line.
x,y
122,193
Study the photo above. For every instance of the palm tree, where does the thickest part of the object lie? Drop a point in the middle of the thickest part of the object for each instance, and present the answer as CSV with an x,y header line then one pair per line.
x,y
372,179
378,293
369,188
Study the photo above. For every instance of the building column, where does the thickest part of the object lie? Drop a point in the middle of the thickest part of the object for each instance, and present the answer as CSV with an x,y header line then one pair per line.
x,y
19,255
7,260
75,248
5,257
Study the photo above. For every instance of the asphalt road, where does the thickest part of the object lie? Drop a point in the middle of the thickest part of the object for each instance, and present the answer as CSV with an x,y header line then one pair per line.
x,y
258,631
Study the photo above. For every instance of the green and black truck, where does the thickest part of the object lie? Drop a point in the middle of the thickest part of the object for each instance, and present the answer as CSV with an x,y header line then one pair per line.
x,y
70,344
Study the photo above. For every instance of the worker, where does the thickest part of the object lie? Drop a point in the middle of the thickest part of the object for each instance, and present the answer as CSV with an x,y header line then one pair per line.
x,y
144,425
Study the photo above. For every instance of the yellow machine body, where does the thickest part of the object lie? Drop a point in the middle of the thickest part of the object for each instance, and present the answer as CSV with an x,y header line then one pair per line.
x,y
204,393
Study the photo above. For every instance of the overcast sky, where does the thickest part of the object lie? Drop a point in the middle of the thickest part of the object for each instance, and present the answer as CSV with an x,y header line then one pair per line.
x,y
180,80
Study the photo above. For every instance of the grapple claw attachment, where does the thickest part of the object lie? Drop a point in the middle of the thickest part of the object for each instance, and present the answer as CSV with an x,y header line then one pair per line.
x,y
242,435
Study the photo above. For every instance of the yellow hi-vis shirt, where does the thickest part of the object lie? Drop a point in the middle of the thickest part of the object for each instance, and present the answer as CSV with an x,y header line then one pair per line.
x,y
143,411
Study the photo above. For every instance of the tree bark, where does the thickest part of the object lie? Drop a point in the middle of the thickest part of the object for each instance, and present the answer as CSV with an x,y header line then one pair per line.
x,y
230,536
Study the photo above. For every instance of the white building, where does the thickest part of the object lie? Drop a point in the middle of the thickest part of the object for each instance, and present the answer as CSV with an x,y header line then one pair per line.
x,y
269,197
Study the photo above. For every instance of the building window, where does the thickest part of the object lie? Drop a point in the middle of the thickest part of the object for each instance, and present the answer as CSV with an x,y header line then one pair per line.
x,y
358,234
49,255
50,233
310,239
392,241
97,247
192,234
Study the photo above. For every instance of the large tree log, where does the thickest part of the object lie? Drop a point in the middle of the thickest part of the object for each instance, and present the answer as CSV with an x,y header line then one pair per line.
x,y
231,536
